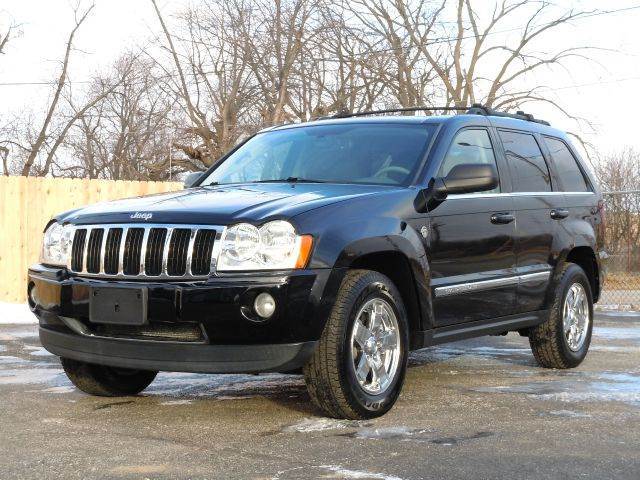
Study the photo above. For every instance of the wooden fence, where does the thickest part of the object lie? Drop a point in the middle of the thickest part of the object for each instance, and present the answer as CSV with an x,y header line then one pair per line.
x,y
28,203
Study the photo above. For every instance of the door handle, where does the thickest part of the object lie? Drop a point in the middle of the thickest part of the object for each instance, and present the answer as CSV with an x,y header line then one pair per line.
x,y
559,213
502,218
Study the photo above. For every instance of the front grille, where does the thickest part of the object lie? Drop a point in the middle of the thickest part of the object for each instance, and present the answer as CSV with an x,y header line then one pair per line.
x,y
167,332
132,249
112,250
156,251
77,251
94,258
177,258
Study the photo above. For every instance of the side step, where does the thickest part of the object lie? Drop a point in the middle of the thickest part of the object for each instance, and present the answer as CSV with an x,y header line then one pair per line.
x,y
452,333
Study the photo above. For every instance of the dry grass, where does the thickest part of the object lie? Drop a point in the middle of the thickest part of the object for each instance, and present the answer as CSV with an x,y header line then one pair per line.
x,y
622,281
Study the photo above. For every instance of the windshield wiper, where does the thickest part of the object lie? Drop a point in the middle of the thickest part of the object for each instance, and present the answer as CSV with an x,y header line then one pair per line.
x,y
291,180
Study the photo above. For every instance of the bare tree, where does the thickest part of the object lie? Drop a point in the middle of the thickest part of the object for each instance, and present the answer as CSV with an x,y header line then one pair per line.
x,y
619,174
4,37
467,62
126,133
41,138
205,152
224,69
397,31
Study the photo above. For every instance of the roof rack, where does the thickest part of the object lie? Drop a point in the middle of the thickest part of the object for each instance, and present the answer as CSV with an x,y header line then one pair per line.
x,y
475,109
347,114
479,109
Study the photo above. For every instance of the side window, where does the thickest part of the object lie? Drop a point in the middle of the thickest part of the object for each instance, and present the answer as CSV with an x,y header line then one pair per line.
x,y
567,167
470,146
529,171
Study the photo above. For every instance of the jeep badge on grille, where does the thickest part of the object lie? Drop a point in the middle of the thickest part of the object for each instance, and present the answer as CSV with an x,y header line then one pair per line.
x,y
141,216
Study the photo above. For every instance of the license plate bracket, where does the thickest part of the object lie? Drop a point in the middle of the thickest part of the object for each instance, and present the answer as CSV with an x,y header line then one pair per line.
x,y
118,306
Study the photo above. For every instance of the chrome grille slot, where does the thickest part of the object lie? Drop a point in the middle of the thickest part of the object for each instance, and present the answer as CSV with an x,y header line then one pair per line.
x,y
93,250
157,251
202,248
178,248
132,251
155,248
77,251
112,251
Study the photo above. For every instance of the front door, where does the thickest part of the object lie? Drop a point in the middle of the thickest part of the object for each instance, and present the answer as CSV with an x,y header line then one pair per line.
x,y
471,243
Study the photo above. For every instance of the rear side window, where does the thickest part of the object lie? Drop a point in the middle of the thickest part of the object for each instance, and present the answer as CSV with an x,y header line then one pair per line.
x,y
470,146
529,171
567,167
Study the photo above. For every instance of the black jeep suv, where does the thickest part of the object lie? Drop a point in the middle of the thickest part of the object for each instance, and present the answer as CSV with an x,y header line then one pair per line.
x,y
332,248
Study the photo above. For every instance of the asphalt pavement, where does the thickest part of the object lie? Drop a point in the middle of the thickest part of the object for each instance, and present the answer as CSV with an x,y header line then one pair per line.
x,y
474,409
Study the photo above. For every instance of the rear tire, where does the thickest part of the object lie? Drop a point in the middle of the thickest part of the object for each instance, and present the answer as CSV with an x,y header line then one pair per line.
x,y
358,368
104,381
563,340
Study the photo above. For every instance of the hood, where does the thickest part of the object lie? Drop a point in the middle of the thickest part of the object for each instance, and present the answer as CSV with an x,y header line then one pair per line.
x,y
222,205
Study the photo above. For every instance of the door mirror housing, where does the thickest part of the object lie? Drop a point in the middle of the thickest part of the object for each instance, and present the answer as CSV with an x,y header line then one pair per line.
x,y
463,178
191,179
470,178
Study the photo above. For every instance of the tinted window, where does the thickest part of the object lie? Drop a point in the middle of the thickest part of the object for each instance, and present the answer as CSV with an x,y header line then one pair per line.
x,y
529,171
470,146
379,153
569,171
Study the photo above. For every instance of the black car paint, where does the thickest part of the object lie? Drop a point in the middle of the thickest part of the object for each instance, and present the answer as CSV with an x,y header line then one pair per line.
x,y
349,223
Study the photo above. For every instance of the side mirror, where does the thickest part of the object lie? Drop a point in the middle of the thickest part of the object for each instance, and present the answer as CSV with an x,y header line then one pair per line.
x,y
463,178
470,178
191,179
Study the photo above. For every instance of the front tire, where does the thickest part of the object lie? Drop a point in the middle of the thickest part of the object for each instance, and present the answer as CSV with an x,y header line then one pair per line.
x,y
104,381
563,340
358,369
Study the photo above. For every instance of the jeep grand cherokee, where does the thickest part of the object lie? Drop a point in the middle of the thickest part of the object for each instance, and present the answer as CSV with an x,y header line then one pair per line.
x,y
332,247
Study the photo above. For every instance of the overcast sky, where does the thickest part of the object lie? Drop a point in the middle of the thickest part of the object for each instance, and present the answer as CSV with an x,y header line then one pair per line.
x,y
605,92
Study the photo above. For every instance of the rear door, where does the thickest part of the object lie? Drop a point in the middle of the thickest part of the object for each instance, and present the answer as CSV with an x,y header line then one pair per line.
x,y
539,208
583,226
471,241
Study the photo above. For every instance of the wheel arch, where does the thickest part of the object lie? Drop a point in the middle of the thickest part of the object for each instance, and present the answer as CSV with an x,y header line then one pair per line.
x,y
403,272
585,258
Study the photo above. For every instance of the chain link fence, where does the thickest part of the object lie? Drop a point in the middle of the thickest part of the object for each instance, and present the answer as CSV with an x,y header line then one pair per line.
x,y
622,227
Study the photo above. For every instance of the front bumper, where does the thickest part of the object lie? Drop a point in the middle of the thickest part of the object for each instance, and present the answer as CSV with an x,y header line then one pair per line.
x,y
177,357
232,338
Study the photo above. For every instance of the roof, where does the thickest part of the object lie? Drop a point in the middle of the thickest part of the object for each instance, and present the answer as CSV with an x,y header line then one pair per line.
x,y
460,119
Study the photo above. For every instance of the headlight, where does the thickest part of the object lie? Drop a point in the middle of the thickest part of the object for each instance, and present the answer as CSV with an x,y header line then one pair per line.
x,y
274,246
56,245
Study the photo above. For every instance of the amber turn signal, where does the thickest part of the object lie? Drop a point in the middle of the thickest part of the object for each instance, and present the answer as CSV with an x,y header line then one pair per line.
x,y
306,243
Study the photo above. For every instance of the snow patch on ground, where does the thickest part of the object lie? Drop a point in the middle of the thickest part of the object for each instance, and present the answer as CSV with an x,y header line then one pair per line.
x,y
40,352
593,387
13,313
59,389
332,471
619,309
176,402
567,413
222,387
617,333
320,424
342,472
27,376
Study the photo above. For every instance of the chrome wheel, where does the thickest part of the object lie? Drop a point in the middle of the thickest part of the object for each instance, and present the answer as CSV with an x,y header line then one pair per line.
x,y
576,316
375,346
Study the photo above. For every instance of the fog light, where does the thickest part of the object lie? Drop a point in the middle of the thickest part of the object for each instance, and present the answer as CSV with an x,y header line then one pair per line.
x,y
264,305
31,292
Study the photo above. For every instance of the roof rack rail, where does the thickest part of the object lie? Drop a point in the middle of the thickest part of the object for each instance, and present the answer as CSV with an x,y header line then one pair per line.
x,y
475,109
479,109
347,114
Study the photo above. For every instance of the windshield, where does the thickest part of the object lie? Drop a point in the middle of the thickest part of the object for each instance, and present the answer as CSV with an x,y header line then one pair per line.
x,y
380,153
